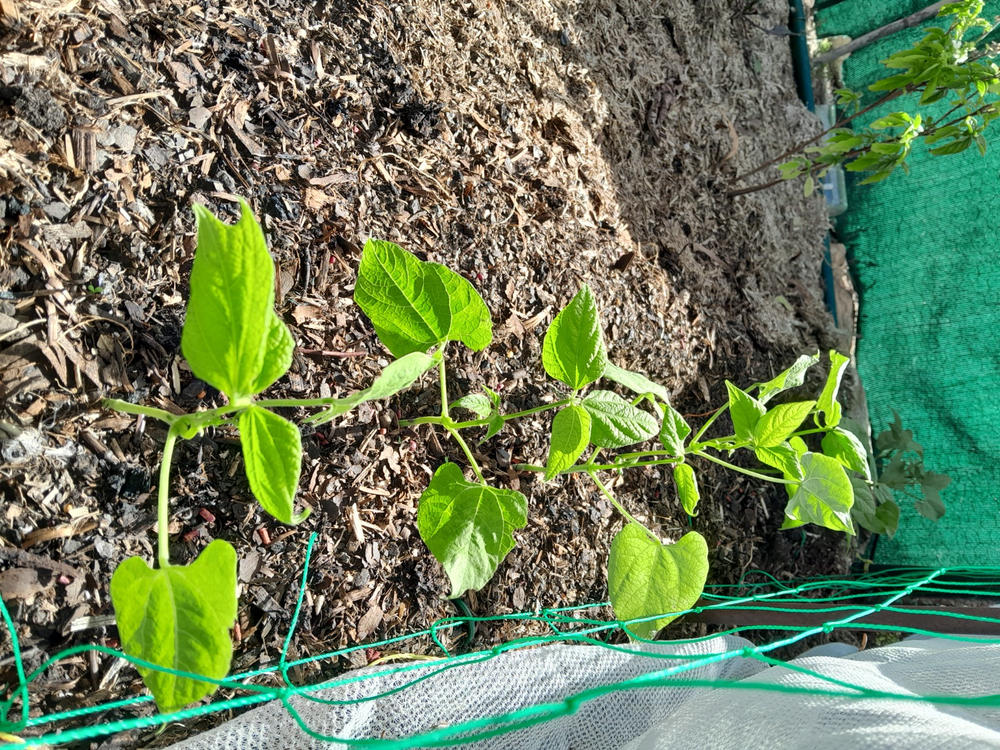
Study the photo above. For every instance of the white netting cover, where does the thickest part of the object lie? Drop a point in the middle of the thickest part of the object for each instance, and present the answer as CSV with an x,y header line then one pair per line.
x,y
663,717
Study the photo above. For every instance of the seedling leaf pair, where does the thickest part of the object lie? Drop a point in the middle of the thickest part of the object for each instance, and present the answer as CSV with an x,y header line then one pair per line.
x,y
232,337
234,340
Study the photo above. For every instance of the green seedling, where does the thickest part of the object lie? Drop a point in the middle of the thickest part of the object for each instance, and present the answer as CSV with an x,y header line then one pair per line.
x,y
177,617
952,64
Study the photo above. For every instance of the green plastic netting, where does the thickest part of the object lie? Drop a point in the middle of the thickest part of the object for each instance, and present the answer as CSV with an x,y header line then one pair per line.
x,y
669,675
923,249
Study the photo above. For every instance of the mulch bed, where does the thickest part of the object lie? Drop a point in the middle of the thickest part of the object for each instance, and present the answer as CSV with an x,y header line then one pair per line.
x,y
530,146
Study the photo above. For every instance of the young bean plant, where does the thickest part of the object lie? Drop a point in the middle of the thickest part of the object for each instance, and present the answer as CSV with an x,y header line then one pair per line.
x,y
952,65
178,616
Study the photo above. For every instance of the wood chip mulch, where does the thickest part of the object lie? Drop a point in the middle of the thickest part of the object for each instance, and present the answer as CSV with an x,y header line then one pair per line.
x,y
530,145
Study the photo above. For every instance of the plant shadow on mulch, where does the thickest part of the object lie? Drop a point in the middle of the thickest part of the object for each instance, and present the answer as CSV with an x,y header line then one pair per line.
x,y
530,146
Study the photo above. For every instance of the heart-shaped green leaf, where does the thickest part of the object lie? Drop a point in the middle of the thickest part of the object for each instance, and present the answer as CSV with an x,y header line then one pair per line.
x,y
635,382
178,617
272,453
687,488
615,422
745,412
824,497
778,424
407,303
232,337
571,429
468,527
573,350
646,578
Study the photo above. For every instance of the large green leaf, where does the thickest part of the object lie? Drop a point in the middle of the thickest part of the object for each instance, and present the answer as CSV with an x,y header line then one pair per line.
x,y
616,423
674,430
846,448
793,377
397,376
827,404
230,325
687,488
744,410
646,578
470,318
573,350
778,424
571,428
178,617
635,382
406,301
468,527
824,497
272,453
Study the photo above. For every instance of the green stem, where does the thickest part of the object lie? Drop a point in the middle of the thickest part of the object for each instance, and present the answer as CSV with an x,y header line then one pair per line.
x,y
162,501
621,508
444,388
482,422
146,411
274,403
711,419
587,468
741,470
468,454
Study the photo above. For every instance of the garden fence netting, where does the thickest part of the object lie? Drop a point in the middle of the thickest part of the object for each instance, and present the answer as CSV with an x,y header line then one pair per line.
x,y
585,686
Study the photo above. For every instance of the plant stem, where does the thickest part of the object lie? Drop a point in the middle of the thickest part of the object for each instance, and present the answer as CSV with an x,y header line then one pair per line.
x,y
137,409
839,124
163,499
444,387
704,427
621,508
585,468
274,403
483,422
468,454
741,470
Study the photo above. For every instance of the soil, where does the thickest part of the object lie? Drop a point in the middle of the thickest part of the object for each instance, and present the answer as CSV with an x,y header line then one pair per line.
x,y
531,146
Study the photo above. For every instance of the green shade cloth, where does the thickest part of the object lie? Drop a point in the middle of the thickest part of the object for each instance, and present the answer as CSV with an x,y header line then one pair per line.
x,y
924,251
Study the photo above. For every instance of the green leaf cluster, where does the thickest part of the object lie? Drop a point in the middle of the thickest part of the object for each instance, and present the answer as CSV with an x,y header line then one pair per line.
x,y
952,64
178,617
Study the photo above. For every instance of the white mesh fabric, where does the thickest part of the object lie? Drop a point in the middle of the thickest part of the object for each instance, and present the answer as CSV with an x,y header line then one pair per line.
x,y
494,687
932,666
659,718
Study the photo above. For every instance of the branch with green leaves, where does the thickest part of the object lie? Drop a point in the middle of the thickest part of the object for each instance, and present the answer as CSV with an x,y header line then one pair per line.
x,y
952,64
178,616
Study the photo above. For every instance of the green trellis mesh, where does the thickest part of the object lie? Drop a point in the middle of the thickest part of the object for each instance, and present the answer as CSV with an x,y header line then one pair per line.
x,y
924,249
841,604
